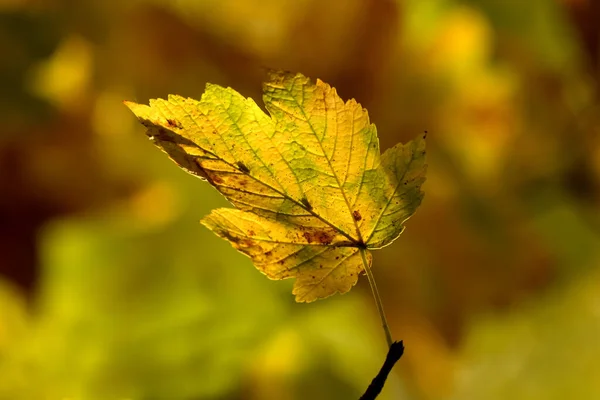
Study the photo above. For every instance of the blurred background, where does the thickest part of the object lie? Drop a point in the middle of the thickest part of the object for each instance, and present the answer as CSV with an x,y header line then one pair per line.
x,y
111,289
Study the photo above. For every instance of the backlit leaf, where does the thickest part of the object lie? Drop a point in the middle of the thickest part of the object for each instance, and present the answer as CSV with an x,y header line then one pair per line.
x,y
310,187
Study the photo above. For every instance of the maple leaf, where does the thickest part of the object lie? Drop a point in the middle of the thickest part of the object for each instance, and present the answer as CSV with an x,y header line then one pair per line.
x,y
313,195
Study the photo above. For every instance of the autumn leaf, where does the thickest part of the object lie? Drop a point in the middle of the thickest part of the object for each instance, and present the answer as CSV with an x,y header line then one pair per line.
x,y
313,195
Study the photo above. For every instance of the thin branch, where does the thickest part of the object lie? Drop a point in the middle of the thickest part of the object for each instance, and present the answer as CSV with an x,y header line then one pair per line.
x,y
394,353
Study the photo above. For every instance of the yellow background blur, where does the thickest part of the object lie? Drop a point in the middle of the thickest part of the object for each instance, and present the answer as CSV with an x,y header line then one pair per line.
x,y
111,289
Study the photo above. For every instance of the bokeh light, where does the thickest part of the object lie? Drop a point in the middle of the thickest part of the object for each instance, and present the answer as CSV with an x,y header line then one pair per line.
x,y
111,289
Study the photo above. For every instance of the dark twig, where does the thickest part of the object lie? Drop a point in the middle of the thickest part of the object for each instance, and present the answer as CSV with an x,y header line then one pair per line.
x,y
395,352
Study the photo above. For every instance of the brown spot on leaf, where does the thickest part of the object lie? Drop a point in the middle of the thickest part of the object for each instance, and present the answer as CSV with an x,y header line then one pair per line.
x,y
229,236
321,237
242,167
356,215
306,204
238,180
216,179
251,233
247,243
173,123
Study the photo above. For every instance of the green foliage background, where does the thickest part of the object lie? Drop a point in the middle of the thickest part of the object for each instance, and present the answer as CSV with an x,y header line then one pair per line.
x,y
111,289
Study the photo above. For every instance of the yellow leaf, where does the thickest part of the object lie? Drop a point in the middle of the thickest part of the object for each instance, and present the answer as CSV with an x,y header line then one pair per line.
x,y
310,187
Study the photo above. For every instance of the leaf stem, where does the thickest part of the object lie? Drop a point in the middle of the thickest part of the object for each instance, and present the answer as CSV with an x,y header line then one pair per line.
x,y
375,292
